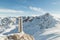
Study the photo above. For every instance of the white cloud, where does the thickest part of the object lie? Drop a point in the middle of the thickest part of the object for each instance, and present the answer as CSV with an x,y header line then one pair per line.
x,y
11,11
37,9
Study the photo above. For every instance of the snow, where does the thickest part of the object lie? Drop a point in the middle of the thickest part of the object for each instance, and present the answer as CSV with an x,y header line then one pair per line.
x,y
47,30
44,27
8,30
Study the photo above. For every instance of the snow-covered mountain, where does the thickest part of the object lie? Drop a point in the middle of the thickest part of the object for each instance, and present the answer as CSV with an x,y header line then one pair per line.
x,y
8,24
43,27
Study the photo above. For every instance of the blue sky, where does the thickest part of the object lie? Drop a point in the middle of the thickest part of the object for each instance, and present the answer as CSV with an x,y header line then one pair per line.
x,y
28,7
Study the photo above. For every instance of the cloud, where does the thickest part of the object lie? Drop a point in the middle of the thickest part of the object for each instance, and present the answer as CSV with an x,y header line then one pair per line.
x,y
10,11
37,9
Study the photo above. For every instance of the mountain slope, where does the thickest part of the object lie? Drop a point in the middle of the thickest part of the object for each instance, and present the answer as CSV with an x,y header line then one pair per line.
x,y
45,27
40,23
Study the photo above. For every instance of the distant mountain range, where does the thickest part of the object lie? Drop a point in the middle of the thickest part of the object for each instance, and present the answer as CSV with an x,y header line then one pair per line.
x,y
41,27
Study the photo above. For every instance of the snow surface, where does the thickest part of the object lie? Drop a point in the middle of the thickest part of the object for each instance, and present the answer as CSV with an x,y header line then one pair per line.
x,y
44,27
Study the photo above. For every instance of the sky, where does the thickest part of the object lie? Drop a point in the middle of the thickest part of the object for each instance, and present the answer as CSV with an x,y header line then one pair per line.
x,y
28,7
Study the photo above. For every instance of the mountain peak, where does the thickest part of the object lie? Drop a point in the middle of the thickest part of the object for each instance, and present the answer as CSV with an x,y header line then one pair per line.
x,y
47,14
